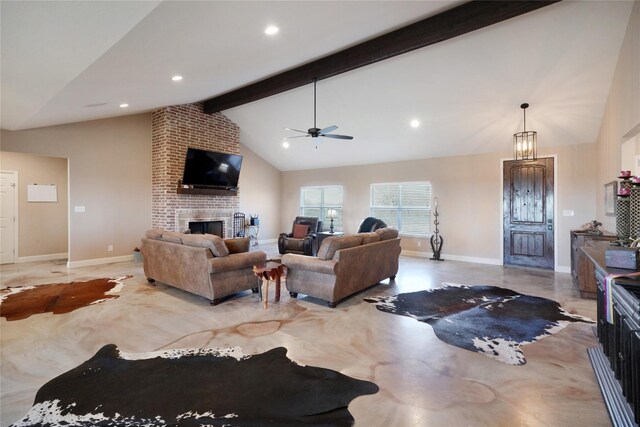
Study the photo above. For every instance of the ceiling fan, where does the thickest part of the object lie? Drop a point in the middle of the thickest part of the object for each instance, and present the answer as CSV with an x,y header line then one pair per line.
x,y
315,132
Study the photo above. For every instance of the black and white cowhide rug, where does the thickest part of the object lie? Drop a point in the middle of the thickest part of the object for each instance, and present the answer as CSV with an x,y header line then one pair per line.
x,y
490,320
195,387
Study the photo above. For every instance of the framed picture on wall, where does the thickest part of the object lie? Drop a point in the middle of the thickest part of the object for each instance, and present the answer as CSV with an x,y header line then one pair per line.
x,y
610,191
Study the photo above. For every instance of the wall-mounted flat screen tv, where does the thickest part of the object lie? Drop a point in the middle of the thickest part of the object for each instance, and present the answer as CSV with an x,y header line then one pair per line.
x,y
211,169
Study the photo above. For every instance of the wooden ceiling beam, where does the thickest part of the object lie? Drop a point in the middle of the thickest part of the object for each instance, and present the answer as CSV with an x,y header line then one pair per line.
x,y
454,22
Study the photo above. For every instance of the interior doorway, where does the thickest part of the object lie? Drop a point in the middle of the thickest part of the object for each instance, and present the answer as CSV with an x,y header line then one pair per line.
x,y
8,216
528,213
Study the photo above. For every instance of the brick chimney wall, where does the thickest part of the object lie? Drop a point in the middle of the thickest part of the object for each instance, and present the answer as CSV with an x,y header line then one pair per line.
x,y
173,130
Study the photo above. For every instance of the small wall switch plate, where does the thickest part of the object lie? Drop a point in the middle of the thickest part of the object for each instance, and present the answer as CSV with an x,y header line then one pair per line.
x,y
419,243
110,248
567,213
78,209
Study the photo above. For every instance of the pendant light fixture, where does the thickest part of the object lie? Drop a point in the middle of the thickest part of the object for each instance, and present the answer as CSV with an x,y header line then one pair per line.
x,y
525,143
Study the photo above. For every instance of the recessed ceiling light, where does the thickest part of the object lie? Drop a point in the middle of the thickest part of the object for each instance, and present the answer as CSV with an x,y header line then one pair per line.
x,y
176,78
271,30
124,105
415,123
285,144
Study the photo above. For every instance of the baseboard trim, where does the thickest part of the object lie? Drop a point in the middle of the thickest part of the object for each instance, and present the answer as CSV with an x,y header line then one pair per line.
x,y
563,269
99,261
476,260
36,258
265,241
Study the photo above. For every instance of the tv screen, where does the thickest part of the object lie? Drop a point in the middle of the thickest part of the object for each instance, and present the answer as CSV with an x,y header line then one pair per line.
x,y
211,169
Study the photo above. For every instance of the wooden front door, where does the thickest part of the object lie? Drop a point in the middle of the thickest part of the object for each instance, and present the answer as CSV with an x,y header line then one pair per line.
x,y
527,209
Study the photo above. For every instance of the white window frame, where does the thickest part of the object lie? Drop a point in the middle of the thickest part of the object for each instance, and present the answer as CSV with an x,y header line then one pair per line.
x,y
323,208
400,208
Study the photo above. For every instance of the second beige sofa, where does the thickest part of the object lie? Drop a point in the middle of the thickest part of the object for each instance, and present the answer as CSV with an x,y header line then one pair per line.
x,y
344,265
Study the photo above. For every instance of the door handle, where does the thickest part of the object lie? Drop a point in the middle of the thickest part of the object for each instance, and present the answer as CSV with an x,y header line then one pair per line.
x,y
549,227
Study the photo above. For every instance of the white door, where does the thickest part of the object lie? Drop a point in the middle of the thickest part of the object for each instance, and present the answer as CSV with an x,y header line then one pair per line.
x,y
7,216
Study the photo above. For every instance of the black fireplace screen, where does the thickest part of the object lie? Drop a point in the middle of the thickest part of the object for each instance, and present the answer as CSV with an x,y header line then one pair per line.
x,y
207,227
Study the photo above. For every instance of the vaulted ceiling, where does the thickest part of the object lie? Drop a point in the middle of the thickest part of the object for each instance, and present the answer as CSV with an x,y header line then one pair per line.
x,y
65,62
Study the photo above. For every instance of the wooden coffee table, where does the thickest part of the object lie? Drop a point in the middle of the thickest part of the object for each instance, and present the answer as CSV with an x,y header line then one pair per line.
x,y
272,270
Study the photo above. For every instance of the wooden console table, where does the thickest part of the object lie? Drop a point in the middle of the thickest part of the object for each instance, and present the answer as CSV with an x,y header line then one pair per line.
x,y
582,269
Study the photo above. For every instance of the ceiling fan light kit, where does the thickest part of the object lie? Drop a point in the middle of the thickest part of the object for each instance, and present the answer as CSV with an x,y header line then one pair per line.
x,y
316,132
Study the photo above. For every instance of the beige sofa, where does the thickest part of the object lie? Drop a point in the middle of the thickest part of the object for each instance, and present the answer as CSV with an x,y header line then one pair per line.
x,y
202,264
344,265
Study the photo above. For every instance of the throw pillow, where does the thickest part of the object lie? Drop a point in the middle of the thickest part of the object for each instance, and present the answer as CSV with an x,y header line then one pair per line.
x,y
300,230
237,245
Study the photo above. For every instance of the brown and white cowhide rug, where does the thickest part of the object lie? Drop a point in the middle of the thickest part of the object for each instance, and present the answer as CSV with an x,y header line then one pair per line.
x,y
21,302
195,387
490,320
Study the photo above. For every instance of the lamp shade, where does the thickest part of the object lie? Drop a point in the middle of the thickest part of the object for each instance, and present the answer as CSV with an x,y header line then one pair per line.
x,y
525,143
332,213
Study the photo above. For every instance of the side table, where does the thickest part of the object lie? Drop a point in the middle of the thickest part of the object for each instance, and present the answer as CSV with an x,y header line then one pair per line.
x,y
267,272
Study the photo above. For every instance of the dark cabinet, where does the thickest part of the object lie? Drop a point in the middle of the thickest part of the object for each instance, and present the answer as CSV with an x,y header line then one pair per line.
x,y
582,269
616,362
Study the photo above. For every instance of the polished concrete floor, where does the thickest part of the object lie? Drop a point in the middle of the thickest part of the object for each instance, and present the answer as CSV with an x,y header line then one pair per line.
x,y
423,381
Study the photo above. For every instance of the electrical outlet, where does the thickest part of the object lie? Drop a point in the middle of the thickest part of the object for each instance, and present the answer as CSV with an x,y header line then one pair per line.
x,y
110,248
419,243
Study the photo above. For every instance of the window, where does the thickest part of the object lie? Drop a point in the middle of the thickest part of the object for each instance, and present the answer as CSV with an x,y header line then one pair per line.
x,y
316,201
404,205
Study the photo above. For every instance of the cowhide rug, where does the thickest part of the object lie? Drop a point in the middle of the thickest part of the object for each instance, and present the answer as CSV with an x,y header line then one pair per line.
x,y
195,387
21,302
485,319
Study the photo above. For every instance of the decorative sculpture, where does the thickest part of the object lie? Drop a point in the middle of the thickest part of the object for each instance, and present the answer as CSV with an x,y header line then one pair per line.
x,y
436,239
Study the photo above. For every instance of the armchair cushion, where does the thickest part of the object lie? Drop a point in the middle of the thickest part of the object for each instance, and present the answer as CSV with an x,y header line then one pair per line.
x,y
300,230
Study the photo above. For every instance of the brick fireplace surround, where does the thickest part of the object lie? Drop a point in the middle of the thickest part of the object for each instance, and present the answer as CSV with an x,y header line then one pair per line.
x,y
173,130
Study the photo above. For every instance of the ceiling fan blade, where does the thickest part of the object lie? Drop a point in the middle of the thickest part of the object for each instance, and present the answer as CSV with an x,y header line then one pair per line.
x,y
297,136
328,129
296,130
337,136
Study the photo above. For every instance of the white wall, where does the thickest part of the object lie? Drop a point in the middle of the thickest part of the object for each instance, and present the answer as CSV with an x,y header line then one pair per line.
x,y
621,119
469,194
260,193
42,227
109,174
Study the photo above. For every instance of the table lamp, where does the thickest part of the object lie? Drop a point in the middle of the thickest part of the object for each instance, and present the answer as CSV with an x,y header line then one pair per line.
x,y
332,213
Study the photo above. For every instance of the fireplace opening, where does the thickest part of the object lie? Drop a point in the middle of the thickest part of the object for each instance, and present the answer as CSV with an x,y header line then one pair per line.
x,y
207,227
